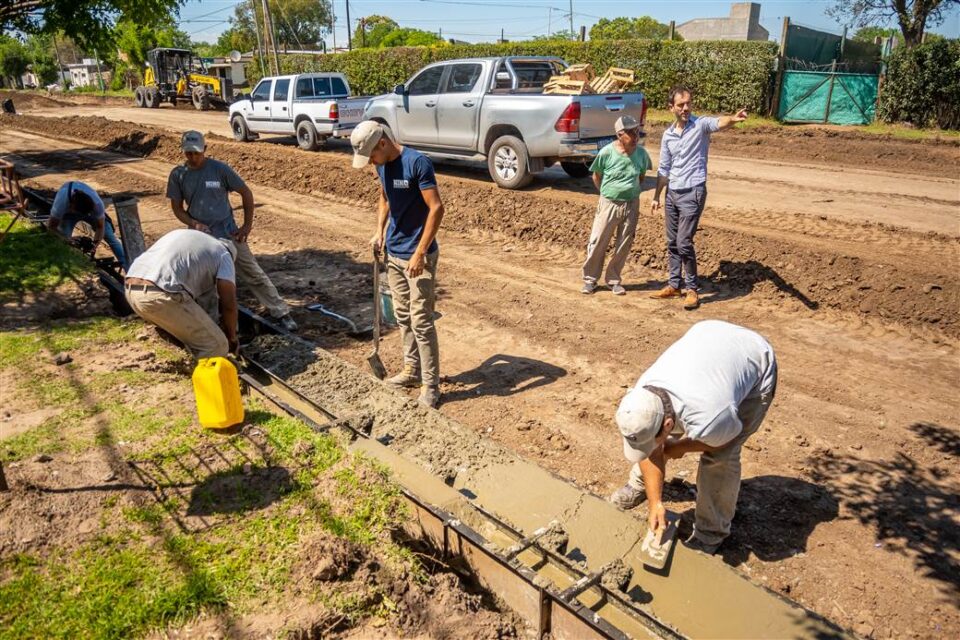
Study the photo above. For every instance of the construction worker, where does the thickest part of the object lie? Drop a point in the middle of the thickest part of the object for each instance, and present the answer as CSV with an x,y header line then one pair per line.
x,y
706,394
618,172
204,184
409,216
682,171
183,284
78,202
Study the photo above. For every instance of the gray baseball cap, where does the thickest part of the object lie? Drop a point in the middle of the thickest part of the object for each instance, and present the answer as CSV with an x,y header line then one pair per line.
x,y
625,123
639,418
193,141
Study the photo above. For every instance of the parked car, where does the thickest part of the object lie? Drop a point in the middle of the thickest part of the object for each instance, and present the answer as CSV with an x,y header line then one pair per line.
x,y
312,106
494,109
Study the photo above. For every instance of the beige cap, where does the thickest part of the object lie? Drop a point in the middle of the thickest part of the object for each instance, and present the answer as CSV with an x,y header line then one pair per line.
x,y
639,418
193,141
625,123
364,138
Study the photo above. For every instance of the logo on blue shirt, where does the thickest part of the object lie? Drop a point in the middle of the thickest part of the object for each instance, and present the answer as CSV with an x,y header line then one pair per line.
x,y
401,183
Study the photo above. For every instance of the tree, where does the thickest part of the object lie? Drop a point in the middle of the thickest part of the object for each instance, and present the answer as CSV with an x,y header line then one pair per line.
x,y
623,28
913,16
297,23
133,41
89,22
374,29
43,61
406,37
13,60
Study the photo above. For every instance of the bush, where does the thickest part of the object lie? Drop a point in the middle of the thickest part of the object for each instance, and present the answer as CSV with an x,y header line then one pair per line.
x,y
922,86
725,76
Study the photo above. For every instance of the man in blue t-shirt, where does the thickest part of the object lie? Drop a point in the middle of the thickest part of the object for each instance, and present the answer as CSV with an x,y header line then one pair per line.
x,y
78,202
409,216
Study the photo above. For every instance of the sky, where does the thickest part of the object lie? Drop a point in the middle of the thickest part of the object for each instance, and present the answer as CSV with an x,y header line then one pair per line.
x,y
482,20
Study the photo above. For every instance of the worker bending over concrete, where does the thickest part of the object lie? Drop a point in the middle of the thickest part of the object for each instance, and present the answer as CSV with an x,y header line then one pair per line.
x,y
183,284
204,184
706,394
409,216
78,202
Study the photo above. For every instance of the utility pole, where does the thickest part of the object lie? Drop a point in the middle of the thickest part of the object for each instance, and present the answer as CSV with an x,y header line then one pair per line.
x,y
349,37
270,34
256,29
571,18
363,32
56,49
673,30
333,25
549,20
96,56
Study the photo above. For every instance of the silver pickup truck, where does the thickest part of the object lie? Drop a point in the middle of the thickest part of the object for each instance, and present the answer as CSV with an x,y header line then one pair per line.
x,y
494,109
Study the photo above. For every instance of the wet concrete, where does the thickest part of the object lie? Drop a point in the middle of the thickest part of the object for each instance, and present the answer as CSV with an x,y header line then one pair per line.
x,y
450,465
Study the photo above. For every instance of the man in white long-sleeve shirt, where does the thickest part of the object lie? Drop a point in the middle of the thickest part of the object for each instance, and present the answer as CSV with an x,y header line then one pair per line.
x,y
706,394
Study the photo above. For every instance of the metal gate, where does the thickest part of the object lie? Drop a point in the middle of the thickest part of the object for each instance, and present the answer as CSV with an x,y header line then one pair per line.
x,y
828,97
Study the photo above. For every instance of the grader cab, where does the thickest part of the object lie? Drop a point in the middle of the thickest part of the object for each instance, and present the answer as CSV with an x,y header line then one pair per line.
x,y
174,75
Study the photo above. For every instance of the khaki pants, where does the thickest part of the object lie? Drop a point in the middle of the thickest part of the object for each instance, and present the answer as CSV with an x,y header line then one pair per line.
x,y
413,303
252,277
718,476
612,217
179,315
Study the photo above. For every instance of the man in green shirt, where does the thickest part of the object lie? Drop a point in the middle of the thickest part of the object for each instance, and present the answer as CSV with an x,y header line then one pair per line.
x,y
618,173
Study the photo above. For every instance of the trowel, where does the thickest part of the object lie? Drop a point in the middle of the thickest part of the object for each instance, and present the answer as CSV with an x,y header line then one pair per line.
x,y
656,546
376,364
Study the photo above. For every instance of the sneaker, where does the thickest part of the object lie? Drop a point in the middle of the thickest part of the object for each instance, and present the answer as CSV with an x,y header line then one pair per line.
x,y
691,301
618,290
628,497
409,377
666,292
429,396
699,545
288,323
588,288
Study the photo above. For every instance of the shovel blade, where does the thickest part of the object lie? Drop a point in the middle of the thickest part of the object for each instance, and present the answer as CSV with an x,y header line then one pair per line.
x,y
376,366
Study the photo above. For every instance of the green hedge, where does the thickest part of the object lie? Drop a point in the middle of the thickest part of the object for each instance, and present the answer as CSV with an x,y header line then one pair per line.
x,y
725,76
922,85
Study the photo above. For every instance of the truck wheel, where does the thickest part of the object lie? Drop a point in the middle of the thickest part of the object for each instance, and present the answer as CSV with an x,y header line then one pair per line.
x,y
241,132
576,169
152,98
507,163
201,99
307,136
138,96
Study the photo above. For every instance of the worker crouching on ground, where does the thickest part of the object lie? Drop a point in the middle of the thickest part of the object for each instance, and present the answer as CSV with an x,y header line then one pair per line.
x,y
706,394
618,172
682,171
409,216
204,184
183,284
78,202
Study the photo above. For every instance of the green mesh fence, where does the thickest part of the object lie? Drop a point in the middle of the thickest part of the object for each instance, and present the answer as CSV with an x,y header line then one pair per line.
x,y
835,98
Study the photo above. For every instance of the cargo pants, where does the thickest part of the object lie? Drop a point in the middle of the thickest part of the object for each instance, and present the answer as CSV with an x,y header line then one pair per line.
x,y
414,300
252,277
614,219
182,317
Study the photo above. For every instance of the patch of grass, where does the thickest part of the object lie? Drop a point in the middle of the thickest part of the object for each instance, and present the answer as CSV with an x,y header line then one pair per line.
x,y
33,261
22,348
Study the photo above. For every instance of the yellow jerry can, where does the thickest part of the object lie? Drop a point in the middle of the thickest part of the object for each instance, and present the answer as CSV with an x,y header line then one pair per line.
x,y
217,389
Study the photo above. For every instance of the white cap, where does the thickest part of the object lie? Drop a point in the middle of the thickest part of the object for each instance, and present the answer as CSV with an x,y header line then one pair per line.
x,y
639,418
364,138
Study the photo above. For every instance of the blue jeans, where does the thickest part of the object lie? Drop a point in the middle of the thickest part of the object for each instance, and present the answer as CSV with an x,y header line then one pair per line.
x,y
683,209
69,222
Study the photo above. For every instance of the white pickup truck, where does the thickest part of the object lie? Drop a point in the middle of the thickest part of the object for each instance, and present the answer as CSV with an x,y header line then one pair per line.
x,y
312,106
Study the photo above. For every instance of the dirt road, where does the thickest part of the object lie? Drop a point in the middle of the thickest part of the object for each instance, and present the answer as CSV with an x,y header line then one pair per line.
x,y
850,499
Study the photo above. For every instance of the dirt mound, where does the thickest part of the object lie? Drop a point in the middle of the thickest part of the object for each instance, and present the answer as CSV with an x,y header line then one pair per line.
x,y
734,262
24,100
840,148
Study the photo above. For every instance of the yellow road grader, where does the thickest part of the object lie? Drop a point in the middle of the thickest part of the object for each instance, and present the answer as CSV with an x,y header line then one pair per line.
x,y
174,75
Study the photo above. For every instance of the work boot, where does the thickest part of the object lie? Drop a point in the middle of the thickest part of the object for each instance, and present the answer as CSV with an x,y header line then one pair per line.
x,y
409,377
618,290
288,323
429,396
666,292
692,301
588,288
699,545
628,497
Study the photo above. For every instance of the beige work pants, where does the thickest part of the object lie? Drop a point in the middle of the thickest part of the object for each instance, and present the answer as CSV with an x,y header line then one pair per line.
x,y
718,476
613,220
251,276
414,300
179,315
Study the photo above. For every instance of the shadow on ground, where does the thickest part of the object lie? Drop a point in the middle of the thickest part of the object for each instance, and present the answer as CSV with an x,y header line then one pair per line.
x,y
502,375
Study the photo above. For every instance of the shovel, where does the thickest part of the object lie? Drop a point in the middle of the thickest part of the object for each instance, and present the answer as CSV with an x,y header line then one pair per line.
x,y
376,365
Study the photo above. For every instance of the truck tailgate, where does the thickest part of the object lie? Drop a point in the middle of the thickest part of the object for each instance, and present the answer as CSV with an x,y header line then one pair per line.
x,y
599,113
351,110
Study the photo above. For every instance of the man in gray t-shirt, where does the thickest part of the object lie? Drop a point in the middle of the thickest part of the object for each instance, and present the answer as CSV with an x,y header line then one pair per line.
x,y
204,185
181,284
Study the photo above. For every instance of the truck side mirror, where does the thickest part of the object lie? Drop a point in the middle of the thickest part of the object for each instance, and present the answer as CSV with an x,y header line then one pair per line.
x,y
399,90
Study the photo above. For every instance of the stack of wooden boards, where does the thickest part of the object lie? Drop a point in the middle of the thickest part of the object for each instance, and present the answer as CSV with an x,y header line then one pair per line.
x,y
580,79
